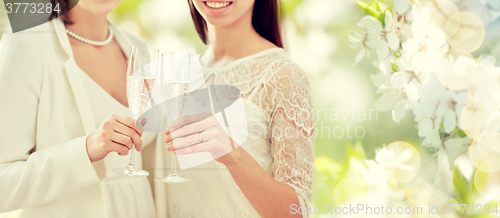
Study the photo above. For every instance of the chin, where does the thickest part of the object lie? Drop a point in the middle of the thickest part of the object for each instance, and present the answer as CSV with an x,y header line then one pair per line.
x,y
99,7
219,21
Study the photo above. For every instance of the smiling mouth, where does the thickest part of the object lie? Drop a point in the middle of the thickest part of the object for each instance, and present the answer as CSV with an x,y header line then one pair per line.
x,y
217,5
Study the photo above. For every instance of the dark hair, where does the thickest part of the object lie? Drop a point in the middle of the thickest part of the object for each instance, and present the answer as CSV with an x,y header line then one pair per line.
x,y
265,20
64,7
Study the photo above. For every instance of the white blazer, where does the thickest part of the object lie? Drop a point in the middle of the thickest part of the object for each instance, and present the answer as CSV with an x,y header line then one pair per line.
x,y
45,118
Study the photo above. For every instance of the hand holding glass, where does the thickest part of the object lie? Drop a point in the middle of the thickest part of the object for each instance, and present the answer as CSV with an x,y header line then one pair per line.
x,y
174,80
143,69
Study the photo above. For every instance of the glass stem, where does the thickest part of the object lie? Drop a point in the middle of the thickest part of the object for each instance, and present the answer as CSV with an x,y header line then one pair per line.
x,y
132,155
174,162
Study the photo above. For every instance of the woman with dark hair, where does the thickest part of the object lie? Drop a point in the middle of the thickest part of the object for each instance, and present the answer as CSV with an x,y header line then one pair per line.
x,y
65,122
270,174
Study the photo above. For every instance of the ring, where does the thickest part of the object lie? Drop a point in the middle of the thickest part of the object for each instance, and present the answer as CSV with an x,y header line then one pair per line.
x,y
201,138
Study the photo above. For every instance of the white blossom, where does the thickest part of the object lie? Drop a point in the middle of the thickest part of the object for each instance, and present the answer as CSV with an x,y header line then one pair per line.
x,y
397,100
449,96
450,108
375,36
357,40
382,77
456,75
394,157
401,6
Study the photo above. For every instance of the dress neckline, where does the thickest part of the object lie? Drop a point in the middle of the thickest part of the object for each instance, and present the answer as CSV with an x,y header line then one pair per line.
x,y
206,69
124,46
100,88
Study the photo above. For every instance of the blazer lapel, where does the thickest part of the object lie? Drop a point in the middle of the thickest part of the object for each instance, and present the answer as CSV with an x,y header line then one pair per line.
x,y
75,81
79,92
123,41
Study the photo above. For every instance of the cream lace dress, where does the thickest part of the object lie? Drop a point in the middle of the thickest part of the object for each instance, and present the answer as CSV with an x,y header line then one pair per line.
x,y
122,196
279,111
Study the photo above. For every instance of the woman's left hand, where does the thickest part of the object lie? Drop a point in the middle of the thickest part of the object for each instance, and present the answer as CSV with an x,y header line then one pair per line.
x,y
201,135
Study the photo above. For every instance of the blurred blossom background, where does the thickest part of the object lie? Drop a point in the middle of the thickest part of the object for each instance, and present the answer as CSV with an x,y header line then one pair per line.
x,y
350,131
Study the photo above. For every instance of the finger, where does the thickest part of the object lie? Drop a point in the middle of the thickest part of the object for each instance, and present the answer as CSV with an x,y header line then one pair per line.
x,y
128,121
140,132
191,129
187,119
168,139
201,147
121,149
185,142
122,140
131,133
192,140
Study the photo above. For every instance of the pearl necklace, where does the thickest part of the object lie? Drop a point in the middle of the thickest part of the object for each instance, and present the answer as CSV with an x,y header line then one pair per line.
x,y
94,43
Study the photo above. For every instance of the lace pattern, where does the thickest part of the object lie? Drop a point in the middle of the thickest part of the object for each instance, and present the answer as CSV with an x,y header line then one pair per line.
x,y
279,105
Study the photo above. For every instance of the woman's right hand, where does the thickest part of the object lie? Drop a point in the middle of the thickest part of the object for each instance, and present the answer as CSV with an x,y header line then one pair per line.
x,y
116,134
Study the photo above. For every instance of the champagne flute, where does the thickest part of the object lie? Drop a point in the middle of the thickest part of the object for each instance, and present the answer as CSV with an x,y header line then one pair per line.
x,y
143,67
174,80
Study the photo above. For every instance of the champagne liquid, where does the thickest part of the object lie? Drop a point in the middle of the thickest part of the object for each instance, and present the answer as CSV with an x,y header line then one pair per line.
x,y
176,94
139,93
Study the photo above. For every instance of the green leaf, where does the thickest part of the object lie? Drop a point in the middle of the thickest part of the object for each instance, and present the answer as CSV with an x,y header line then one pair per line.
x,y
461,133
395,67
382,8
375,8
370,9
461,186
397,54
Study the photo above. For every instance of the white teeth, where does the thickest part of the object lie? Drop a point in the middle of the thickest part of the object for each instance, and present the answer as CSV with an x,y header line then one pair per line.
x,y
217,4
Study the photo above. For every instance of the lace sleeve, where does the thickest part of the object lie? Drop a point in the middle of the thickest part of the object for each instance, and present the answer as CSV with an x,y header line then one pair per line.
x,y
292,127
